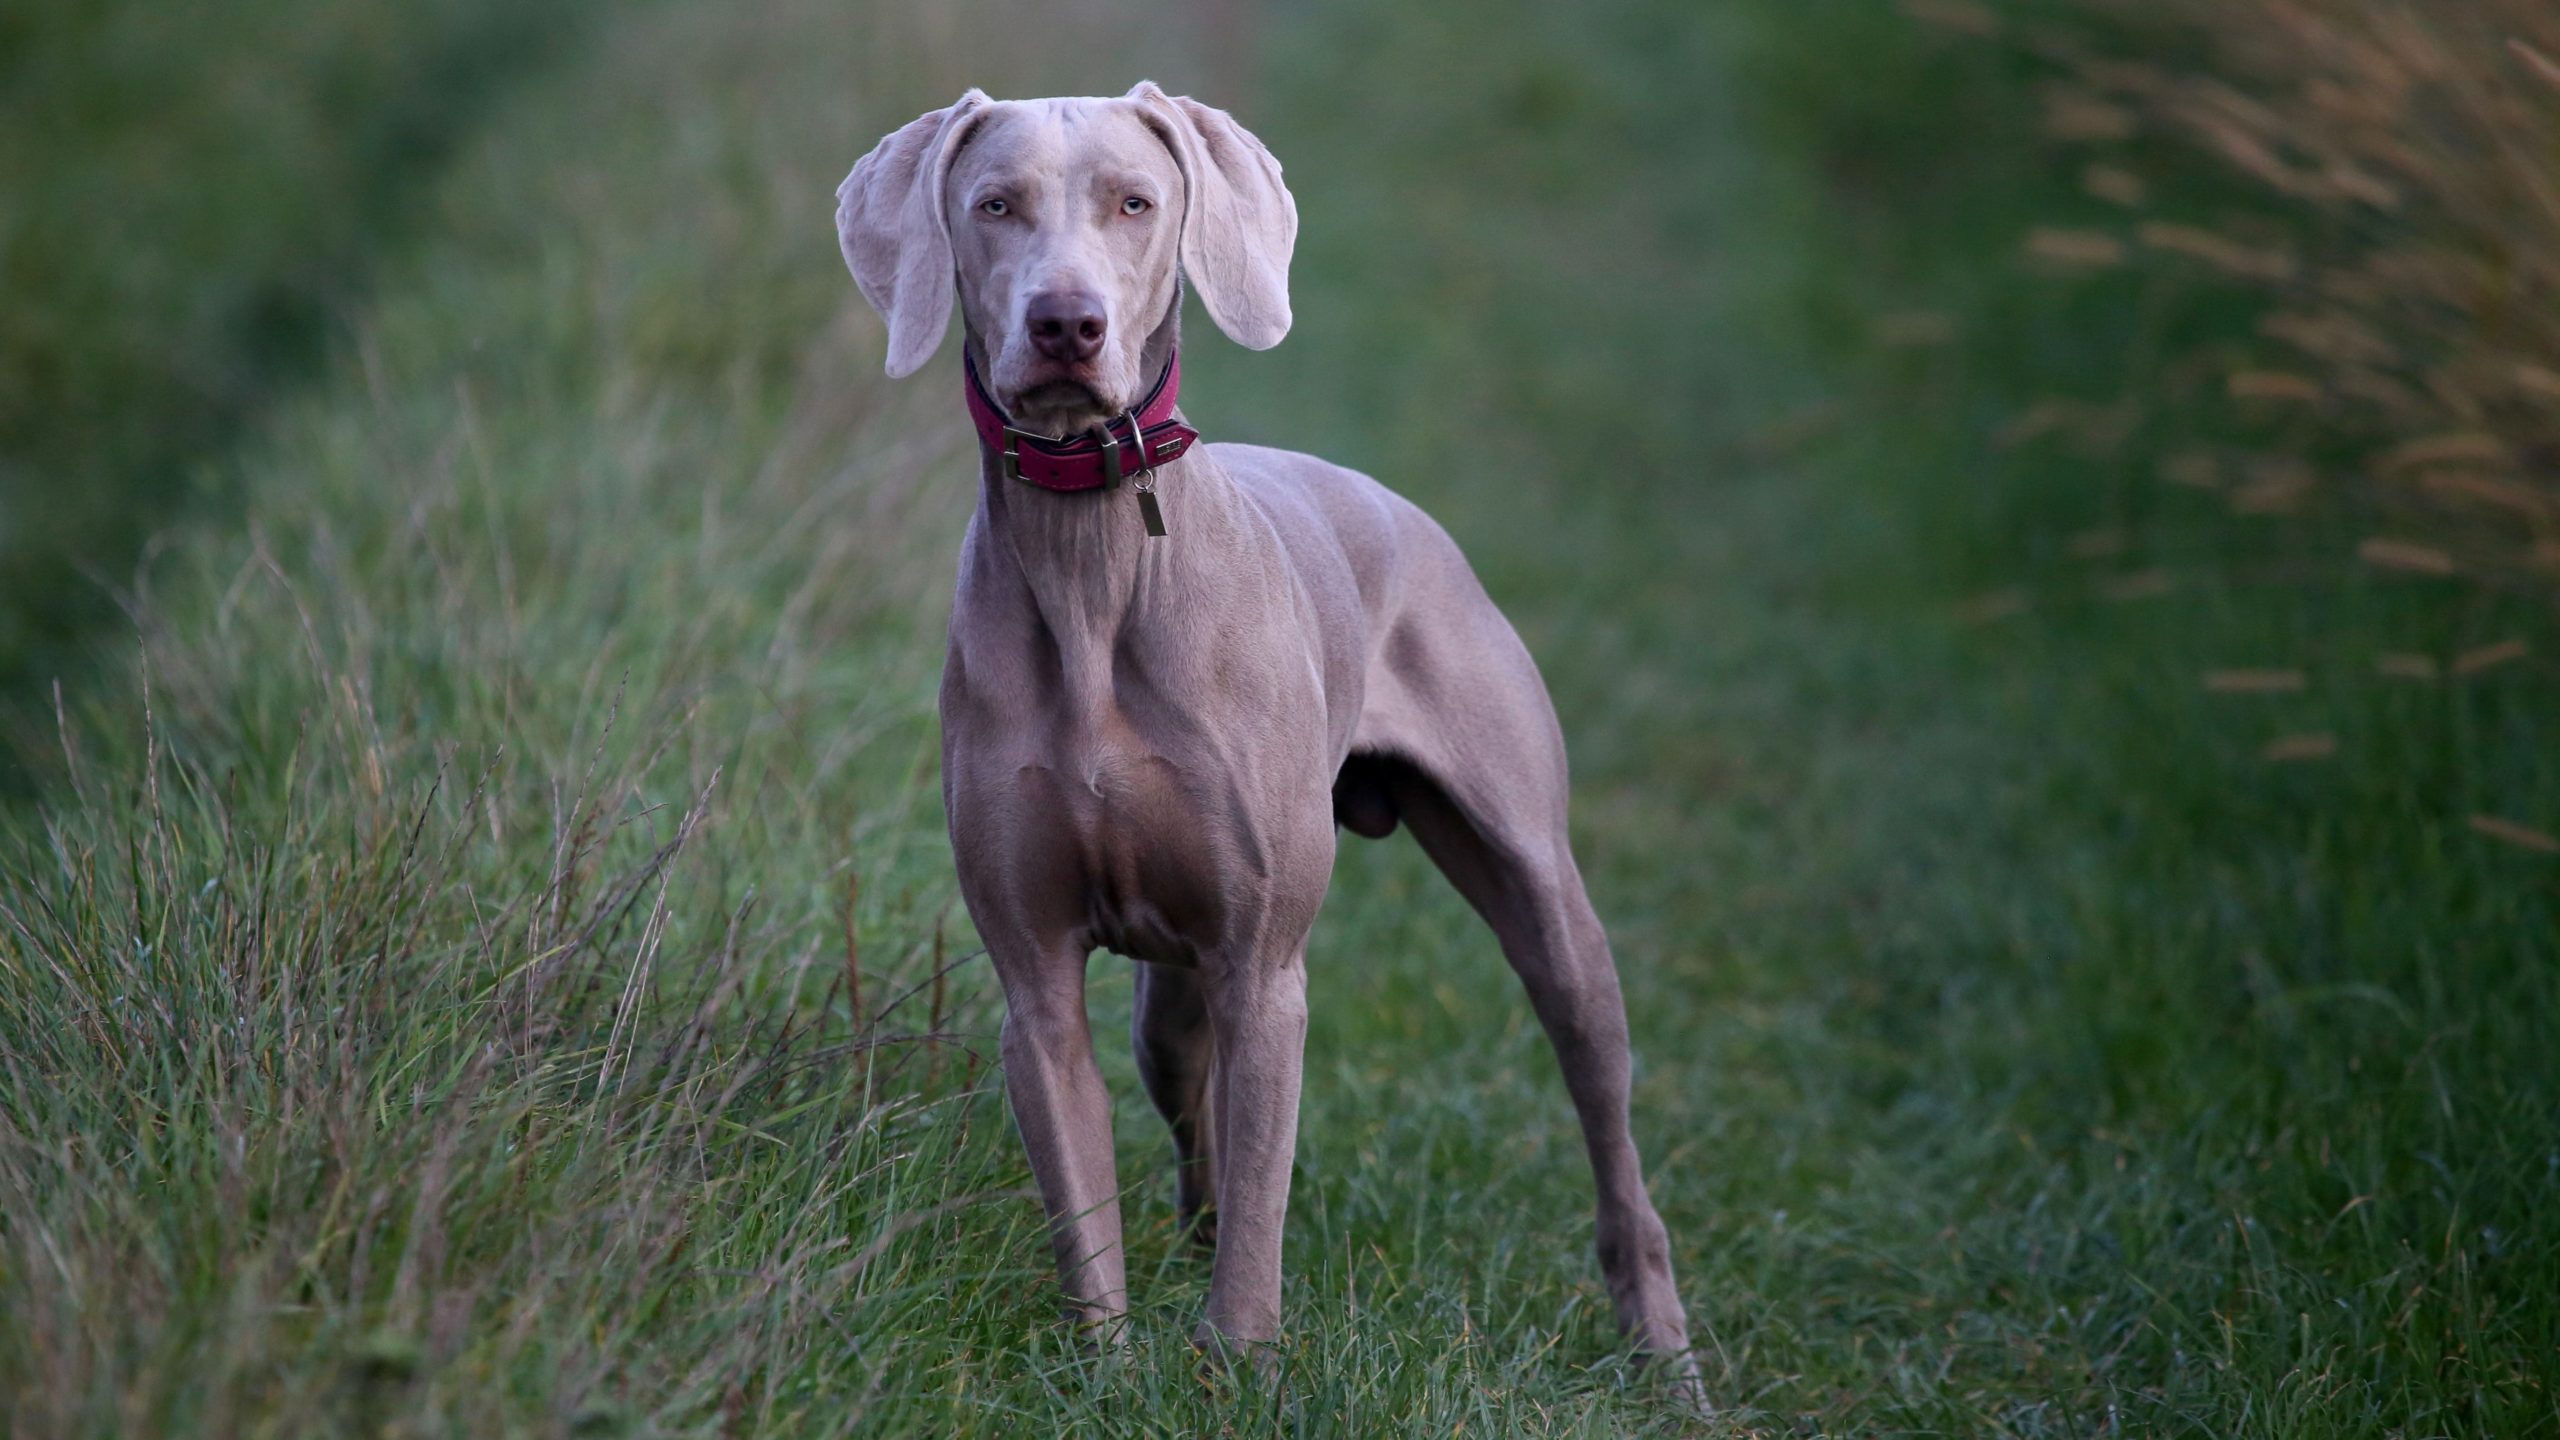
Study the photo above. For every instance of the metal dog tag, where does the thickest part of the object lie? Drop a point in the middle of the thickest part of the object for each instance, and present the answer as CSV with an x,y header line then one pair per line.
x,y
1148,509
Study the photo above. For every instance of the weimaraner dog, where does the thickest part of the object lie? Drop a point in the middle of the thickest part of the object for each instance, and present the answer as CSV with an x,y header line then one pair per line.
x,y
1162,697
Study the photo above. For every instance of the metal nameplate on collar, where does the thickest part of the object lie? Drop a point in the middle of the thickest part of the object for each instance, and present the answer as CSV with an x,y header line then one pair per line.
x,y
1169,447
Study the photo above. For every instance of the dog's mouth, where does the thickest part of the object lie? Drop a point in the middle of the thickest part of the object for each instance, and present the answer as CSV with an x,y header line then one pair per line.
x,y
1058,406
1059,395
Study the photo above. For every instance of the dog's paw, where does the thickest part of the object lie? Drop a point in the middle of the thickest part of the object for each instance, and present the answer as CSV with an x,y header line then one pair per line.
x,y
1227,1361
1676,1371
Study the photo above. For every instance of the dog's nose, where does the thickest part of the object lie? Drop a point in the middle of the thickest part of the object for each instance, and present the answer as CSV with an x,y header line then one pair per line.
x,y
1066,325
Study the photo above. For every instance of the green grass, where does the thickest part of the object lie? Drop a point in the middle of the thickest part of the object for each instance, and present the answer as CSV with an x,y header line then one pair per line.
x,y
425,992
196,194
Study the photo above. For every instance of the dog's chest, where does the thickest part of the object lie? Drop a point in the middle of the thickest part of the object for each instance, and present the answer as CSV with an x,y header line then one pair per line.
x,y
1147,845
1153,794
1131,824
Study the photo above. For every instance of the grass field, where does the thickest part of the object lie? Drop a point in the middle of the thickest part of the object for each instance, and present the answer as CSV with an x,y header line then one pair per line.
x,y
198,193
484,961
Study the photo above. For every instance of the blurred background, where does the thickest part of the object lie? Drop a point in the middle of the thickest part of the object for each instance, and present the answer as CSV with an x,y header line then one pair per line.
x,y
2042,519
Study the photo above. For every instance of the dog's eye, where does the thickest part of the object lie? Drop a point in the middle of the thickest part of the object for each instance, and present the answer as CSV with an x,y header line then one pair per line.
x,y
1135,205
994,207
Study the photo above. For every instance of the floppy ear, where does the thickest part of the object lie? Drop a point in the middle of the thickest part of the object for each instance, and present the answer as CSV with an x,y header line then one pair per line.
x,y
1240,224
896,239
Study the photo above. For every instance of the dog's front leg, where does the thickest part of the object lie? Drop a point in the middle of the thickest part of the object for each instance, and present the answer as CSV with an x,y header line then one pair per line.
x,y
1064,1114
1258,1010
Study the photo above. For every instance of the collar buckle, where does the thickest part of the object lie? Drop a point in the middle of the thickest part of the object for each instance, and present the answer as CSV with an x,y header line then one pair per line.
x,y
1010,458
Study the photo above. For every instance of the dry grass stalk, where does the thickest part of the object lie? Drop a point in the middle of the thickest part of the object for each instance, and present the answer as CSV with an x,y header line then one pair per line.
x,y
1915,329
2115,185
2276,485
2074,114
2489,657
2139,585
2093,429
2195,469
2034,423
2461,447
2273,385
1962,16
852,948
2255,682
1992,605
2082,249
2286,748
2543,65
2336,337
2417,559
2219,251
2523,837
2498,492
2408,246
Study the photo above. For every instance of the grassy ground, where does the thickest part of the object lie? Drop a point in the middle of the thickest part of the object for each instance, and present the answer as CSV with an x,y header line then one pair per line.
x,y
493,969
195,192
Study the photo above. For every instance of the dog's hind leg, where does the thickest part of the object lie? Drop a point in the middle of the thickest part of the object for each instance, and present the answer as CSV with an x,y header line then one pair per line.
x,y
1170,1035
1517,870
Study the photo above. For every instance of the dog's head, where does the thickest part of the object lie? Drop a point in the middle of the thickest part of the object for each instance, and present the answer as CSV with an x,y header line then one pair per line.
x,y
1064,223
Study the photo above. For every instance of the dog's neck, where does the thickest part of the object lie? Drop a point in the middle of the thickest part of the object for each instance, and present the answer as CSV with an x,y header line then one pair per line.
x,y
1086,557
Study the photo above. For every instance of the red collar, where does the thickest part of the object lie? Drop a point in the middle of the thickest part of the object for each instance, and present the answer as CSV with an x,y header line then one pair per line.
x,y
1127,445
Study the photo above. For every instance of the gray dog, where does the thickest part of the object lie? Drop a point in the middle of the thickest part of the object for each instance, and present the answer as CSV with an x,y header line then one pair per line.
x,y
1163,695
